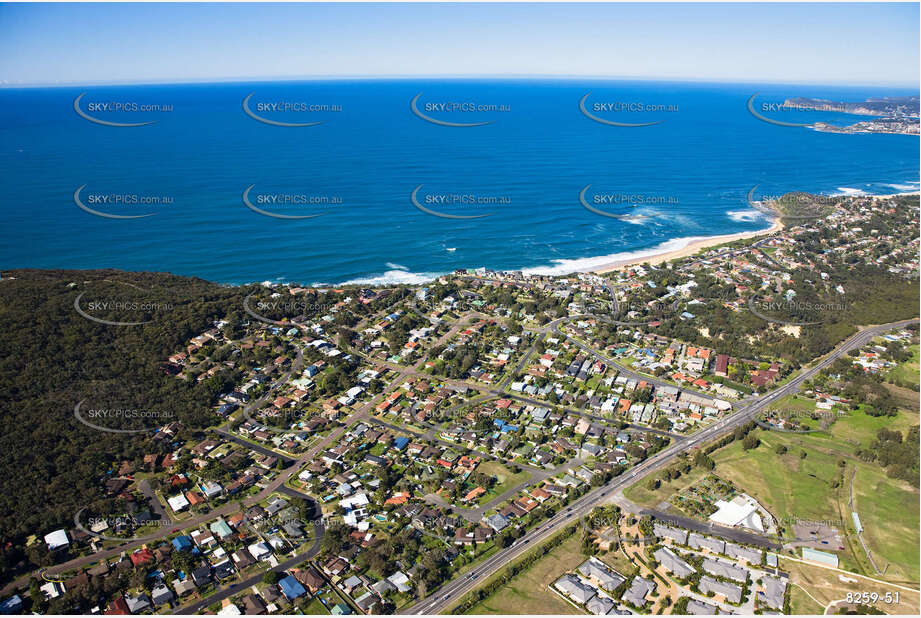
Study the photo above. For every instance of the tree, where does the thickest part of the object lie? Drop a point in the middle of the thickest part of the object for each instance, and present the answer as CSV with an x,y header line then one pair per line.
x,y
271,578
750,442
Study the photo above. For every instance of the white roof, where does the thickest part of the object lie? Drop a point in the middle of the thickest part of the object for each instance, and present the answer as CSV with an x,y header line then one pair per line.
x,y
177,503
52,590
56,539
355,501
230,610
258,550
738,512
400,580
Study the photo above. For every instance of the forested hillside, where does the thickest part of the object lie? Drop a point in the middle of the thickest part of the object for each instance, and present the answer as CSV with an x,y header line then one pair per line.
x,y
52,357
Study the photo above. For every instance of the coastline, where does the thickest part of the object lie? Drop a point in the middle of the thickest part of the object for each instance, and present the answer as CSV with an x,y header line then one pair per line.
x,y
693,246
698,244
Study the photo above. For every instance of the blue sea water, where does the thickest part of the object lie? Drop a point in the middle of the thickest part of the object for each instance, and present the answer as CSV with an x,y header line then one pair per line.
x,y
685,177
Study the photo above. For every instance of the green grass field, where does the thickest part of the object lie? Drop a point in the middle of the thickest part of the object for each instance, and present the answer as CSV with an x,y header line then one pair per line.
x,y
528,592
908,371
640,494
793,402
793,487
788,486
505,479
801,604
889,514
315,608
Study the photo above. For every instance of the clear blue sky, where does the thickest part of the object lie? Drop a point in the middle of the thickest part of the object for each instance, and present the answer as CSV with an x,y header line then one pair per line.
x,y
816,43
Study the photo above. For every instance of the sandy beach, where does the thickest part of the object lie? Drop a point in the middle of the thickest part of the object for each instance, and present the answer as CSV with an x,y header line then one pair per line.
x,y
894,194
702,243
690,249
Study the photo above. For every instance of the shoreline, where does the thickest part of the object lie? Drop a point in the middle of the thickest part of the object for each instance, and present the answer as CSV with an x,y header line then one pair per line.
x,y
698,244
694,245
654,255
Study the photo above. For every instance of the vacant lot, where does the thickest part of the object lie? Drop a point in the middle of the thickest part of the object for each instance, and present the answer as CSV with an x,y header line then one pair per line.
x,y
788,485
889,514
639,493
907,372
826,585
505,479
791,486
528,593
794,487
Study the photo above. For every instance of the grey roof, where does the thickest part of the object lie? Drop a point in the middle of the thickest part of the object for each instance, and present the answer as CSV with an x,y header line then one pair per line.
x,y
753,556
161,594
137,604
599,606
676,534
276,505
497,522
382,587
636,593
699,541
574,589
293,528
732,592
699,608
774,590
724,569
672,562
609,579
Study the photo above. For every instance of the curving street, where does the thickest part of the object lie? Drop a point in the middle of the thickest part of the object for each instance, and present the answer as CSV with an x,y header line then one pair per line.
x,y
443,598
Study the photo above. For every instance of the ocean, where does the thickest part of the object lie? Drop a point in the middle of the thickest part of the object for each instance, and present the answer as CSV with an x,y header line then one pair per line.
x,y
392,190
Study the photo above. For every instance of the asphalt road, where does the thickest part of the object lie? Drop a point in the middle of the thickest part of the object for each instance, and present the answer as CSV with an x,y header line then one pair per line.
x,y
238,587
450,593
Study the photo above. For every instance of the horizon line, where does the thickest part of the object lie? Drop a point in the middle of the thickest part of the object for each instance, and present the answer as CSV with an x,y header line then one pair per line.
x,y
450,76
